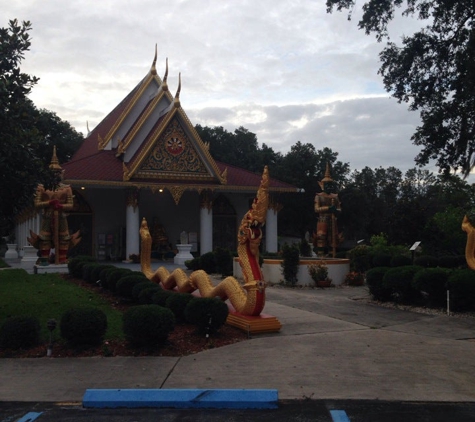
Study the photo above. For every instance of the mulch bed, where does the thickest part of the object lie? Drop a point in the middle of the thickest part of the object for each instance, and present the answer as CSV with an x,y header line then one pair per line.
x,y
184,340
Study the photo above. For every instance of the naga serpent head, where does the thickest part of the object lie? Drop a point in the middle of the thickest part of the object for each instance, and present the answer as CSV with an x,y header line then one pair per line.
x,y
250,229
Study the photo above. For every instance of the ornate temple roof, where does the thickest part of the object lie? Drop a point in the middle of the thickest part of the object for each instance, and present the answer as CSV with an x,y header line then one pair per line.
x,y
147,140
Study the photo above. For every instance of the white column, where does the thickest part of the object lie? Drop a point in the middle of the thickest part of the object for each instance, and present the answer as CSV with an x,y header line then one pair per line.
x,y
206,230
132,245
271,230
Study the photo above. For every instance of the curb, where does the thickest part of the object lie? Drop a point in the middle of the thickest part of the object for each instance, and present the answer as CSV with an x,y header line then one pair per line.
x,y
181,398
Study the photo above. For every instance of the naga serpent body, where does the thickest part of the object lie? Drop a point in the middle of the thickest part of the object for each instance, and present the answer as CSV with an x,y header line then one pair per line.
x,y
247,299
470,246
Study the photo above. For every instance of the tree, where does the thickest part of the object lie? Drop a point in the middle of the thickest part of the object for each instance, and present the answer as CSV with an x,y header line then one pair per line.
x,y
433,71
27,134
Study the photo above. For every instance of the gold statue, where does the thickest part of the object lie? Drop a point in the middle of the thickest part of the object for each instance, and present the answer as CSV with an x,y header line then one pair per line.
x,y
54,231
247,298
470,245
328,208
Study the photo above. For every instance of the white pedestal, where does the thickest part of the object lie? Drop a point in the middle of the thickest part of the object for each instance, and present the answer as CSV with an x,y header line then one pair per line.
x,y
183,254
30,256
51,268
11,253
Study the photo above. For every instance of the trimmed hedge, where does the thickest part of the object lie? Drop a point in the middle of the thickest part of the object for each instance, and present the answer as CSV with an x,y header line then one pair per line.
x,y
146,295
114,275
83,326
126,284
432,282
147,325
140,286
427,261
88,272
381,260
160,297
399,281
400,261
374,280
20,332
75,264
177,303
208,314
462,290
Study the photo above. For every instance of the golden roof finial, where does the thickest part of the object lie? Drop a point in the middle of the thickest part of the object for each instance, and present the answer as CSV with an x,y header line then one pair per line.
x,y
153,69
177,95
87,127
54,165
165,77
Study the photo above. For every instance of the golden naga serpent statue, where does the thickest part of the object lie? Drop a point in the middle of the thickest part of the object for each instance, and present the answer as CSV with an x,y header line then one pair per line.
x,y
470,246
247,299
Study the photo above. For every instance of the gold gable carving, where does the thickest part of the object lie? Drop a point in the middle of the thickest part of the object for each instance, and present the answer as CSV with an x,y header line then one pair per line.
x,y
173,153
177,192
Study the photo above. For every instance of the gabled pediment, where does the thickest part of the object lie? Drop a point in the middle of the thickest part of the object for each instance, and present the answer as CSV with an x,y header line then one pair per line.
x,y
173,151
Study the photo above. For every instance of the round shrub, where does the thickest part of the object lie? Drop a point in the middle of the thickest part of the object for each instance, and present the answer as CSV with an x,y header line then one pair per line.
x,y
400,261
452,261
75,265
462,290
177,303
160,297
360,258
427,261
208,262
114,275
224,261
140,286
193,264
125,285
96,273
399,281
83,326
432,282
19,332
146,295
381,260
208,314
374,280
87,272
147,325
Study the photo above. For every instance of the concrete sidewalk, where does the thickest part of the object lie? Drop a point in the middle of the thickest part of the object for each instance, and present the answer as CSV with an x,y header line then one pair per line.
x,y
331,346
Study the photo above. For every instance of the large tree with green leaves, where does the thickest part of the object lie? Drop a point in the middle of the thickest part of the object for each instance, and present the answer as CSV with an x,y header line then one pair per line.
x,y
27,134
433,70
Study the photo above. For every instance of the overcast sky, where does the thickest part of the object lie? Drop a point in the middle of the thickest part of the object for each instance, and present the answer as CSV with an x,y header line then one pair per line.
x,y
284,69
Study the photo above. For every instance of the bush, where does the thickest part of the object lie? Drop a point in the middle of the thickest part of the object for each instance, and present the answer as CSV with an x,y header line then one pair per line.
x,y
374,280
381,260
399,281
98,271
75,265
177,303
462,290
146,295
83,326
88,271
114,275
208,263
125,285
160,297
433,282
147,325
224,262
360,258
19,332
193,264
208,314
304,248
452,261
427,261
400,261
290,264
143,284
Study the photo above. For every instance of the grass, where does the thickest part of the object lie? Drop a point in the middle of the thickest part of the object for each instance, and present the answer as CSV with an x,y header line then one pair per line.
x,y
47,296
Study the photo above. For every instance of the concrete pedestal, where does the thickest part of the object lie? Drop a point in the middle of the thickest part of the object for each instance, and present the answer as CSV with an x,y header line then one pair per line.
x,y
30,256
51,268
184,254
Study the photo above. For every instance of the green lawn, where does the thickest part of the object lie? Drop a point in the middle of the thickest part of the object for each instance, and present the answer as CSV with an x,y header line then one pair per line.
x,y
48,296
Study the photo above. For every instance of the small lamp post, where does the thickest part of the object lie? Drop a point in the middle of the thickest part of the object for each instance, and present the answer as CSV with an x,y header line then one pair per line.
x,y
51,324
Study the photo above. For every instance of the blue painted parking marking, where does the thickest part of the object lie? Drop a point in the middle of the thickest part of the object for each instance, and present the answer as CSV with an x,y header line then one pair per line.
x,y
31,416
339,416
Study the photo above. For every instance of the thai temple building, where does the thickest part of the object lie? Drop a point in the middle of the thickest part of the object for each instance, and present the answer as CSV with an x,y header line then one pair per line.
x,y
145,159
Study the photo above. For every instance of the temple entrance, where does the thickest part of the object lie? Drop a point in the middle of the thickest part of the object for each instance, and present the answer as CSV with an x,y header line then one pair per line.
x,y
224,224
80,218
